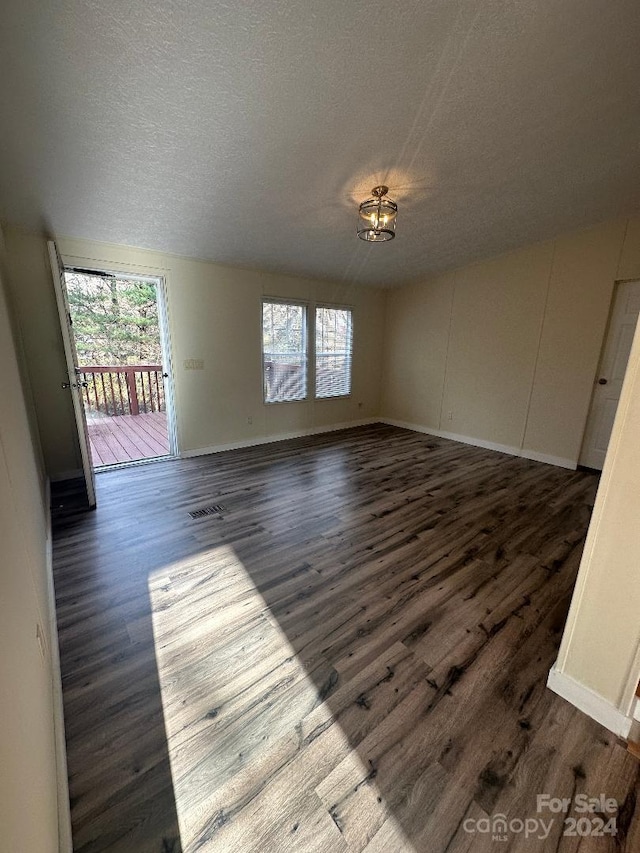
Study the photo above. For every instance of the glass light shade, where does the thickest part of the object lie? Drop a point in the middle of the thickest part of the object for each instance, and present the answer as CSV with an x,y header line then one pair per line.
x,y
377,217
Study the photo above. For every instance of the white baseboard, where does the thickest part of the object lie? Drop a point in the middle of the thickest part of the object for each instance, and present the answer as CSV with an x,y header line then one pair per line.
x,y
454,436
270,439
590,703
559,461
67,475
65,839
511,450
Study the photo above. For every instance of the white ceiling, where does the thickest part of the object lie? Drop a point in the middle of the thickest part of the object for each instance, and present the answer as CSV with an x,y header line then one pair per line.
x,y
246,131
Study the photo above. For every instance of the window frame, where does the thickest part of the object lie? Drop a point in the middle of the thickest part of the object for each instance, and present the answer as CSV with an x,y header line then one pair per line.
x,y
336,307
309,308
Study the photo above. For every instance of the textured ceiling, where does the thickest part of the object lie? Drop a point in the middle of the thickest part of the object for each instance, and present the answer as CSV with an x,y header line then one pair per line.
x,y
247,131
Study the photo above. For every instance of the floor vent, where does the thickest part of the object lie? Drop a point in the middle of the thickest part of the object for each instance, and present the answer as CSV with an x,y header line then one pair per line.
x,y
207,510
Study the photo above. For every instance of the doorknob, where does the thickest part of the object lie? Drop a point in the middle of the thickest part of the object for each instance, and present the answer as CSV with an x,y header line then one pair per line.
x,y
602,381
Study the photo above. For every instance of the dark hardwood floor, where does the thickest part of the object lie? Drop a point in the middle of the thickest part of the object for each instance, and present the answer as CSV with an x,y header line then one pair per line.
x,y
349,655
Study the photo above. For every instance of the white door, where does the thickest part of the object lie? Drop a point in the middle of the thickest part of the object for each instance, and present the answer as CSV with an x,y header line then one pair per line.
x,y
613,364
73,385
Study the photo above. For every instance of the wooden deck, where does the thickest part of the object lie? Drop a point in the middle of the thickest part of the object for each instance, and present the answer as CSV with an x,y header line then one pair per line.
x,y
128,438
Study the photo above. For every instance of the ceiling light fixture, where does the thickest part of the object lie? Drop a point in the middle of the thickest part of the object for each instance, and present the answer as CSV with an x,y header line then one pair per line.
x,y
377,217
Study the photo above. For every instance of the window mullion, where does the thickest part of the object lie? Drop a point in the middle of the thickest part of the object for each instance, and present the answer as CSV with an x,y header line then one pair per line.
x,y
311,352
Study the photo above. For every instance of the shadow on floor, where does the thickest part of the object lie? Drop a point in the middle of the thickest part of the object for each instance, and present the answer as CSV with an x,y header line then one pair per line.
x,y
348,653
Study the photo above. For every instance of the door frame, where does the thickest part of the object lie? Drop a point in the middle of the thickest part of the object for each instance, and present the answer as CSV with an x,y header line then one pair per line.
x,y
71,359
160,276
618,283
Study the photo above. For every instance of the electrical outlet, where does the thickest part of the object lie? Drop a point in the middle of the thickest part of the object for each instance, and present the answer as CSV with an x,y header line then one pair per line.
x,y
249,420
449,416
194,364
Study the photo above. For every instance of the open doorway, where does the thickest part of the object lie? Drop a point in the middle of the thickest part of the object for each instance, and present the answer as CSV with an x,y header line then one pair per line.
x,y
119,331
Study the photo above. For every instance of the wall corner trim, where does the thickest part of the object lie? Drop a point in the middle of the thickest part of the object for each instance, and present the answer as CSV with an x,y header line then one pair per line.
x,y
590,703
270,439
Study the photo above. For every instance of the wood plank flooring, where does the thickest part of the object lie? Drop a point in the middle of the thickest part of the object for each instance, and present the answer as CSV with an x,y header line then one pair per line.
x,y
350,655
128,438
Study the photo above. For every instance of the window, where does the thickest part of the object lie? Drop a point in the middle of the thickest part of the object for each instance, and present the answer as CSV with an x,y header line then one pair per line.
x,y
284,351
334,347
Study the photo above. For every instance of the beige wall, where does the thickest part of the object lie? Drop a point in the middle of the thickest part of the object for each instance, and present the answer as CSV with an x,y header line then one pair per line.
x,y
601,642
214,315
504,352
510,348
28,782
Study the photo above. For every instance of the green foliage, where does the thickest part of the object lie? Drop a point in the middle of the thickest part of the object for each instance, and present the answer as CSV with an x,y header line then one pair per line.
x,y
115,320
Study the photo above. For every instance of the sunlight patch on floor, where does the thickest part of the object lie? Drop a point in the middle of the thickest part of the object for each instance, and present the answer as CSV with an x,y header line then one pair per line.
x,y
252,746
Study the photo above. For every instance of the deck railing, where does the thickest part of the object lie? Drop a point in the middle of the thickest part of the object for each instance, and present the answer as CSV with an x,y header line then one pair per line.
x,y
284,377
129,390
